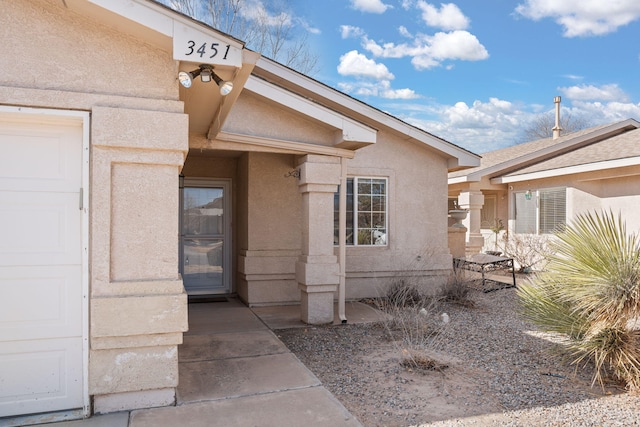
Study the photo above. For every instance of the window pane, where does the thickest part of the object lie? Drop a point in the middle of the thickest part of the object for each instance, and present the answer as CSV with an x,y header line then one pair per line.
x,y
364,186
488,212
378,220
364,220
364,203
364,237
525,214
336,213
378,203
367,220
553,207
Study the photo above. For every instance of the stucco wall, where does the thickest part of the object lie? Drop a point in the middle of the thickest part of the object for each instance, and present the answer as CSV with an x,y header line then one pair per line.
x,y
417,239
138,136
53,48
265,122
267,258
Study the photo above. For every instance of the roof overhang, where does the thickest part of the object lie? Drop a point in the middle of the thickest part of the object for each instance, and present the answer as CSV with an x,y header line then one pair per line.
x,y
349,134
570,170
500,170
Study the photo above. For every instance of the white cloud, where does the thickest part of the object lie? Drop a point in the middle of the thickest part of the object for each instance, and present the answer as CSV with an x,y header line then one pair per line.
x,y
448,17
404,32
406,4
597,113
356,64
479,127
486,126
255,10
380,88
573,77
405,93
430,51
371,6
310,29
583,17
610,92
348,31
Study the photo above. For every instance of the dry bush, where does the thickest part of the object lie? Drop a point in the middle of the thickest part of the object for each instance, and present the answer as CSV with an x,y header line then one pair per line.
x,y
527,250
456,290
412,324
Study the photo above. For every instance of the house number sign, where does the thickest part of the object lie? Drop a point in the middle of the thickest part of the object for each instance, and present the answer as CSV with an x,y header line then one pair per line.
x,y
192,45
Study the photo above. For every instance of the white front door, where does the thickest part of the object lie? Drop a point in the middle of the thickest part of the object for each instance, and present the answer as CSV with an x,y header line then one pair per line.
x,y
41,264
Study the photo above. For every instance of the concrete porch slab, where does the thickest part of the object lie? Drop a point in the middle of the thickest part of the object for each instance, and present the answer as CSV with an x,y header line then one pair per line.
x,y
118,419
198,348
313,406
288,316
214,318
245,376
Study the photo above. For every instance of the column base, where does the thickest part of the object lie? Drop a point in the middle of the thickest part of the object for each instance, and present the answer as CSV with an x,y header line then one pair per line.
x,y
475,244
316,304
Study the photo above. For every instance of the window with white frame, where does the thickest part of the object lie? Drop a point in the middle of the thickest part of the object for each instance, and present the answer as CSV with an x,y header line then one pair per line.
x,y
540,211
366,212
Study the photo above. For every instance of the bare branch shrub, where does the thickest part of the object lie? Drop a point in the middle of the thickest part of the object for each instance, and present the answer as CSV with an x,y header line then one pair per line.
x,y
527,250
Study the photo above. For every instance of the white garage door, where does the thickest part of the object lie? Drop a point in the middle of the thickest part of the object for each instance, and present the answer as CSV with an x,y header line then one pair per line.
x,y
41,264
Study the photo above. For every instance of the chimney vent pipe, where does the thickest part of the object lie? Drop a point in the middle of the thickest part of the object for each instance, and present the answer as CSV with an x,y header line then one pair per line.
x,y
556,129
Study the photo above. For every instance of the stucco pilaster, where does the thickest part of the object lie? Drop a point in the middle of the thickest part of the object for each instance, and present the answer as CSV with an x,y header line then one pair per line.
x,y
472,200
138,307
317,268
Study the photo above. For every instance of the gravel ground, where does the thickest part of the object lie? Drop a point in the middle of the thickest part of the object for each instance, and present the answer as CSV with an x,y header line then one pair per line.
x,y
494,369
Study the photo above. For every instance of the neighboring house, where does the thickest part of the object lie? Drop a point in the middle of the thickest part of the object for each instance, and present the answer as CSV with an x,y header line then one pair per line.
x,y
123,193
536,186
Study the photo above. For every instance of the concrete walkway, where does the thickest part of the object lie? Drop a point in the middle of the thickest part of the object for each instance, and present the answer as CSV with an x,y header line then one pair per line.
x,y
235,372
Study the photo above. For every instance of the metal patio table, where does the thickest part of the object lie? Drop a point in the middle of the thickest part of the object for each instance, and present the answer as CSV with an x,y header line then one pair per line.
x,y
482,262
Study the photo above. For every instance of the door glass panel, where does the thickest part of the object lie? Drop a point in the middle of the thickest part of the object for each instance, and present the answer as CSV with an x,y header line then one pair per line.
x,y
203,211
203,265
203,240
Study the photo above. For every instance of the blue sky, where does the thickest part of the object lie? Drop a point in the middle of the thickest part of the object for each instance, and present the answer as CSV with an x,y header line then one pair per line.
x,y
474,72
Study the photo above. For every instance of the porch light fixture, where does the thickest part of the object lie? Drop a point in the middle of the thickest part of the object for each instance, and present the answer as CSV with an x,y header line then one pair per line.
x,y
528,195
206,73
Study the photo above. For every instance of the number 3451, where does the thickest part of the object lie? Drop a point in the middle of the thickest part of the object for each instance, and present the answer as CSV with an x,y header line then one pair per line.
x,y
206,49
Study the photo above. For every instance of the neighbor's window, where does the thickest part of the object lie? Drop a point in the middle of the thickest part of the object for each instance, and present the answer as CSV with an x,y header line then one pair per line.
x,y
540,211
366,212
488,212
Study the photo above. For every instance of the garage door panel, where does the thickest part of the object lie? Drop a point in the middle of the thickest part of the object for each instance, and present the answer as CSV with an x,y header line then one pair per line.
x,y
40,228
42,268
40,376
40,302
40,158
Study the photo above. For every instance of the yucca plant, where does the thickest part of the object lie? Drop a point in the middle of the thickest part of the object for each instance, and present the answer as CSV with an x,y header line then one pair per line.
x,y
590,292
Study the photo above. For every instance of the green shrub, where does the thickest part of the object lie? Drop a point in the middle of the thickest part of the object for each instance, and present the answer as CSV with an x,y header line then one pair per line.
x,y
590,292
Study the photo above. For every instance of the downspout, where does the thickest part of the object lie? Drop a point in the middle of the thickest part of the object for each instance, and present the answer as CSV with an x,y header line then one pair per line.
x,y
557,129
342,238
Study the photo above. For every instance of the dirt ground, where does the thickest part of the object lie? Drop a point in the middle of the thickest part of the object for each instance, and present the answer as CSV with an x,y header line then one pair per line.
x,y
492,369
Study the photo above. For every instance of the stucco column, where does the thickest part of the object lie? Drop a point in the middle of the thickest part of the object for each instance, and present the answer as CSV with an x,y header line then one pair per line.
x,y
138,304
317,268
472,200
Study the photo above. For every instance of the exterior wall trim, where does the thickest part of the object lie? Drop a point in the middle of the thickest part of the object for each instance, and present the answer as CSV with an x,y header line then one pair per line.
x,y
280,146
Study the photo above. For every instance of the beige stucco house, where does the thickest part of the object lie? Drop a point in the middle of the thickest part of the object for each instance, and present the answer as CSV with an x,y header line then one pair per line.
x,y
123,194
535,186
